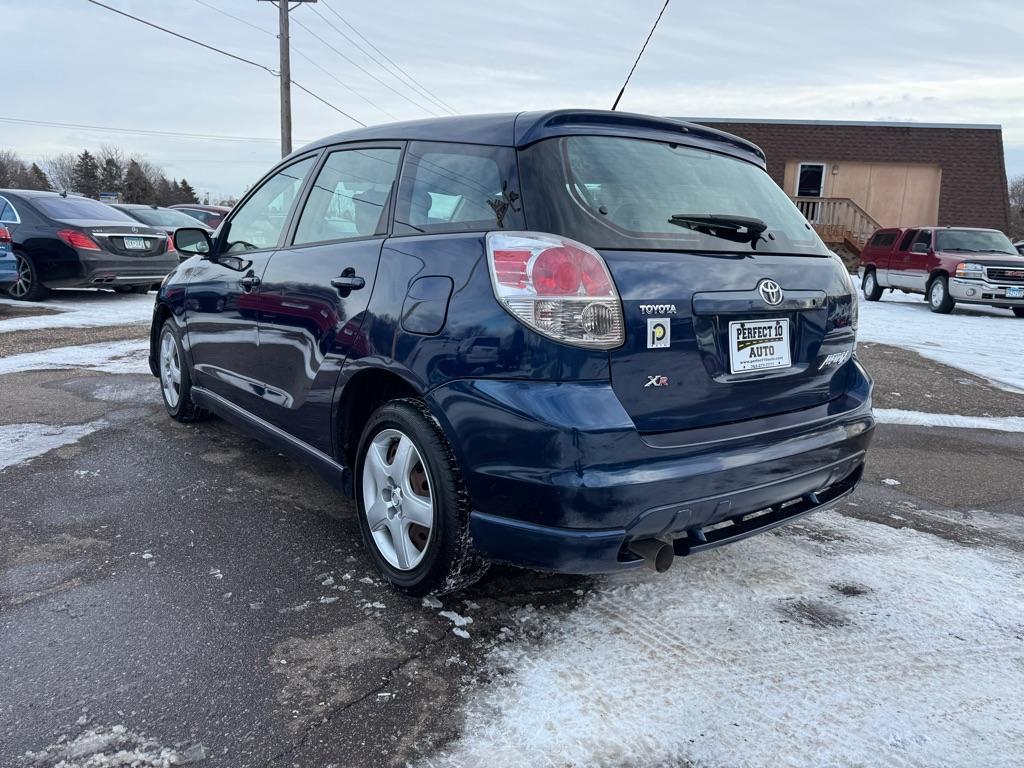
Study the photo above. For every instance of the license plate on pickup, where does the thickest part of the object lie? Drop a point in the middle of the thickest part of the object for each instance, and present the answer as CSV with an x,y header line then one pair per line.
x,y
1015,293
135,244
759,345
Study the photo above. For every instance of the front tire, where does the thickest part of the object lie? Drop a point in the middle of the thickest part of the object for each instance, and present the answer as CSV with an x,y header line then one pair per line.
x,y
175,379
872,290
413,507
939,299
28,286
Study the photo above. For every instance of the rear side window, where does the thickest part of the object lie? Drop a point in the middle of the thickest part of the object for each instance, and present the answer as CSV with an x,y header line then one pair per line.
x,y
458,188
350,196
7,213
883,240
70,208
907,240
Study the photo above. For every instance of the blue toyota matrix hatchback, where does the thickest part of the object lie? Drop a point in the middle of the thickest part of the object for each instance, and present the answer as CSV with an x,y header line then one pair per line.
x,y
579,341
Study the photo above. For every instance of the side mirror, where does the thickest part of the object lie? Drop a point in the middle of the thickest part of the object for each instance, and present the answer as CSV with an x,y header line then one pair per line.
x,y
193,241
919,248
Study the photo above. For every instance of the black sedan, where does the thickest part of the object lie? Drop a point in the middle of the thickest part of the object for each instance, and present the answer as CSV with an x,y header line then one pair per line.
x,y
167,219
65,241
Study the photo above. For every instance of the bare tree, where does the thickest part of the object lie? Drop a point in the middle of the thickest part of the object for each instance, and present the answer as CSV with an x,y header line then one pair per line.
x,y
61,170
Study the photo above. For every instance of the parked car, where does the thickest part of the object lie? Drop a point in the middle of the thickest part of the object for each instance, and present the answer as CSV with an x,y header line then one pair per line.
x,y
65,241
210,215
166,219
947,265
8,264
523,338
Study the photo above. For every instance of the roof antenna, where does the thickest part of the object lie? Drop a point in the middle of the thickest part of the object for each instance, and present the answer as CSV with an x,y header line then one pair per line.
x,y
649,35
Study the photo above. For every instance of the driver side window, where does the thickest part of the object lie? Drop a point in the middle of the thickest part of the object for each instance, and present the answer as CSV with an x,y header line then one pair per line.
x,y
260,220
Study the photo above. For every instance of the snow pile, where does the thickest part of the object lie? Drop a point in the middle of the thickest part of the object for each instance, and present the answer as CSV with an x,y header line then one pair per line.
x,y
21,442
980,340
129,356
115,747
921,419
832,643
86,309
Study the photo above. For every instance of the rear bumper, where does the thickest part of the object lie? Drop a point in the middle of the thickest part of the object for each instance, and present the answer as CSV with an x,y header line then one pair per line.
x,y
571,482
983,292
98,269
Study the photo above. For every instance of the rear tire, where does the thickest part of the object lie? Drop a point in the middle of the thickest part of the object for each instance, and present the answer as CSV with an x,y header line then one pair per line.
x,y
1018,311
406,476
939,299
872,290
28,286
175,378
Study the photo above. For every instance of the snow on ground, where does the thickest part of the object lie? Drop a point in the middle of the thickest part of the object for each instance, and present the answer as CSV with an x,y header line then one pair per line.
x,y
109,357
837,644
21,442
921,419
83,309
115,747
981,340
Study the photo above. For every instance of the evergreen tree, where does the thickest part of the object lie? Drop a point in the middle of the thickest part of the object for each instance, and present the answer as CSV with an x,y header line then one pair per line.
x,y
111,176
87,175
163,193
188,195
137,187
38,179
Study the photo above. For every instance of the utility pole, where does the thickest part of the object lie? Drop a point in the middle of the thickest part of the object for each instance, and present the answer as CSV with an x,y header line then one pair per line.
x,y
285,69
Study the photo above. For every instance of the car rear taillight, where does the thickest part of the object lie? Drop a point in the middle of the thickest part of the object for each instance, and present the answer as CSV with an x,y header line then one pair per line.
x,y
557,286
5,235
77,239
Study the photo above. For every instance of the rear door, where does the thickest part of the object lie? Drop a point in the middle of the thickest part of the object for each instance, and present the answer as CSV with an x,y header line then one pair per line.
x,y
222,296
315,291
899,261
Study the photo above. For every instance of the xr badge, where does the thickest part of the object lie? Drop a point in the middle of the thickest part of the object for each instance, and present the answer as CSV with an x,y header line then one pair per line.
x,y
657,381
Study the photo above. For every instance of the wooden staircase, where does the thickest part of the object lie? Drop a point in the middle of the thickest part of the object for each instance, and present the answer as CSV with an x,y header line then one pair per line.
x,y
840,222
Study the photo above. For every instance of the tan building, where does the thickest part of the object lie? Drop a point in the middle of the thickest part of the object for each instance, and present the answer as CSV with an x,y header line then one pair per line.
x,y
850,178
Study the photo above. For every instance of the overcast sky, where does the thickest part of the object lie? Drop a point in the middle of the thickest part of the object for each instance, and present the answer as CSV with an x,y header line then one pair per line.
x,y
71,62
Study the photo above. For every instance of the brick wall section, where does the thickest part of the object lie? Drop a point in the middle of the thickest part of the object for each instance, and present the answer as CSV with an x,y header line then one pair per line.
x,y
973,191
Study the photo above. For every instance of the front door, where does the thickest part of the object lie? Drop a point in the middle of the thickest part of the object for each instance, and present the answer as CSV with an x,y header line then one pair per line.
x,y
316,290
222,297
919,261
810,183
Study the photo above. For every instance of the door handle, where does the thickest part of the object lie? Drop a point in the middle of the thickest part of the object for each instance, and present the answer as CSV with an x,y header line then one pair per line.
x,y
348,281
249,282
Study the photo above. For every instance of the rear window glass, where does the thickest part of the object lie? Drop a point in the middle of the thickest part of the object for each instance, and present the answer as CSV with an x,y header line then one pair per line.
x,y
458,188
78,208
613,192
977,240
883,239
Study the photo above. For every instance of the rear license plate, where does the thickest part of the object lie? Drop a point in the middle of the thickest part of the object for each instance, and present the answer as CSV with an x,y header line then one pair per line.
x,y
1015,293
135,244
759,345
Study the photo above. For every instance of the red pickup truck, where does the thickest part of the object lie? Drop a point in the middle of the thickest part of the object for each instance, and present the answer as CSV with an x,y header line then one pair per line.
x,y
946,264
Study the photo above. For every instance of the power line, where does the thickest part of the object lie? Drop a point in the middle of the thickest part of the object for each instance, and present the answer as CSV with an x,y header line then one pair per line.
x,y
644,48
411,81
295,49
230,55
356,64
137,131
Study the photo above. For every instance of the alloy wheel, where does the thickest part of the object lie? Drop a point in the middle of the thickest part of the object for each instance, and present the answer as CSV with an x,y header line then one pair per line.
x,y
170,370
869,284
937,294
24,282
397,499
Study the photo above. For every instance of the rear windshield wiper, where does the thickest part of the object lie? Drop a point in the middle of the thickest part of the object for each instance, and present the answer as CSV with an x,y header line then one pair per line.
x,y
738,229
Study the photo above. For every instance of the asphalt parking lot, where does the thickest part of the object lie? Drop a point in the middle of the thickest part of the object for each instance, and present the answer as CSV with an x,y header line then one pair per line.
x,y
182,594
